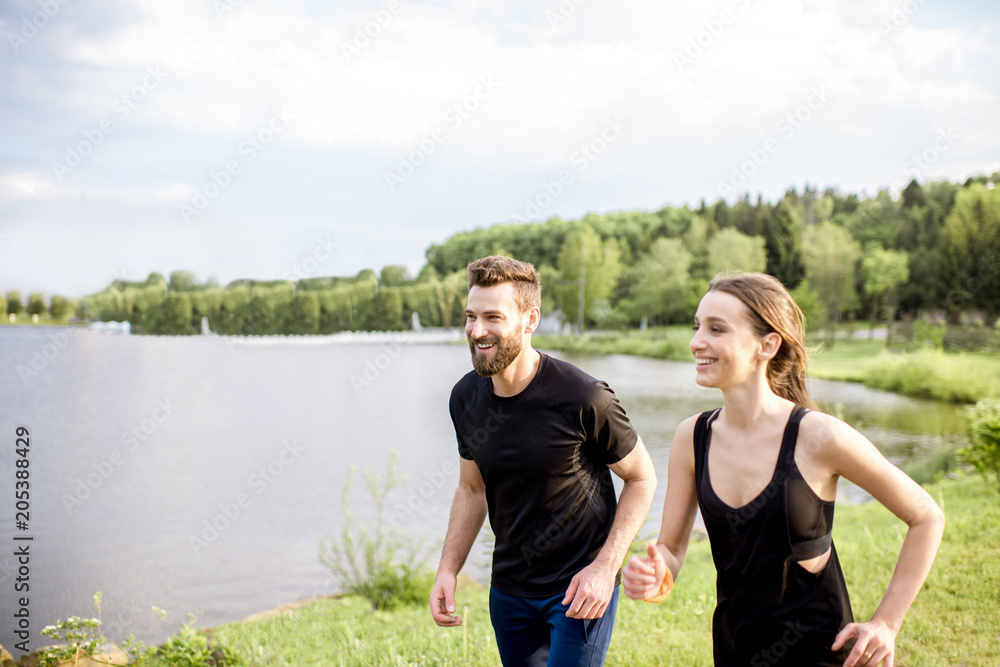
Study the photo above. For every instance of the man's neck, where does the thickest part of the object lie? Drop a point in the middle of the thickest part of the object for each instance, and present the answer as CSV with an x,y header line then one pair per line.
x,y
513,379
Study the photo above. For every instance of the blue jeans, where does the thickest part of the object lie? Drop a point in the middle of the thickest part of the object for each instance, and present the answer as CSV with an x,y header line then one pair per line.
x,y
535,632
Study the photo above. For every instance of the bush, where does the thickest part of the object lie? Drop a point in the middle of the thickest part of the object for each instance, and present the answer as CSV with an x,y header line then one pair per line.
x,y
376,562
983,450
972,339
930,373
931,468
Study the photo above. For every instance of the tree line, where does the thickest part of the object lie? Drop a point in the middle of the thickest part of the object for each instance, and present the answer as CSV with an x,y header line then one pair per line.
x,y
934,248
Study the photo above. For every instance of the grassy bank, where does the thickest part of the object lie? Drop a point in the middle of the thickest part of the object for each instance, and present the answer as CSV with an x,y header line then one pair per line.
x,y
958,377
955,620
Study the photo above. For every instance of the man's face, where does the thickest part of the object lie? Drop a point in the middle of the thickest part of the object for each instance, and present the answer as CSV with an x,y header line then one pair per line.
x,y
494,327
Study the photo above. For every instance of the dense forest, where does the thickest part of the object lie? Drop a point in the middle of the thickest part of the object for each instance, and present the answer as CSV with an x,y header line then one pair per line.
x,y
932,252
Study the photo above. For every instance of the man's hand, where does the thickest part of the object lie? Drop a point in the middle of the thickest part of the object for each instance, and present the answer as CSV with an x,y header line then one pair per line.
x,y
442,601
590,591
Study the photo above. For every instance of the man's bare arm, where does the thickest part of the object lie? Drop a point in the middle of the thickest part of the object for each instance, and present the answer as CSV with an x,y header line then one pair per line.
x,y
590,591
468,512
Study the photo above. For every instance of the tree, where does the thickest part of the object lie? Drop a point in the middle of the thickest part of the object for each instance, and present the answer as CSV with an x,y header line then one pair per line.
x,y
731,250
830,257
366,275
258,316
172,316
420,298
36,304
302,314
14,306
883,271
696,240
3,305
156,278
181,281
969,265
383,312
393,275
783,245
449,293
662,289
913,195
59,306
808,302
584,257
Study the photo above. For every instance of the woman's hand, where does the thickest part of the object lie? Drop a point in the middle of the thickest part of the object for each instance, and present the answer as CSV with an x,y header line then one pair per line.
x,y
876,644
644,574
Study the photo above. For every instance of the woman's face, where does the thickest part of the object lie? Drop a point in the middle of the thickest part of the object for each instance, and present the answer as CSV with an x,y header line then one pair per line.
x,y
726,348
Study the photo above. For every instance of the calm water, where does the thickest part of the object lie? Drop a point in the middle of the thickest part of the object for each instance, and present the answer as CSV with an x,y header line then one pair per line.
x,y
138,444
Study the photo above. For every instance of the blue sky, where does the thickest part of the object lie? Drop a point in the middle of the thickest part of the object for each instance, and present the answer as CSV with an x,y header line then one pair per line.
x,y
256,138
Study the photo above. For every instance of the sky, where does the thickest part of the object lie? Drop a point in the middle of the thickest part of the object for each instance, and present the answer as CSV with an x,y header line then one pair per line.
x,y
265,139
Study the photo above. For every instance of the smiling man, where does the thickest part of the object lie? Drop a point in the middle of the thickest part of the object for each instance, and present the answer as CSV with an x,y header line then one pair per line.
x,y
538,439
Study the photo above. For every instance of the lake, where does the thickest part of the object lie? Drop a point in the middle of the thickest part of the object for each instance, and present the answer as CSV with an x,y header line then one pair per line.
x,y
198,474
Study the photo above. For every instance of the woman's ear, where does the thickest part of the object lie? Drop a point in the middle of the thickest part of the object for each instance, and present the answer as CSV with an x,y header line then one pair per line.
x,y
769,345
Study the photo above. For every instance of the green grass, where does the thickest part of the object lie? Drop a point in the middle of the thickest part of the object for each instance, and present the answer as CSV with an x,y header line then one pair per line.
x,y
847,360
956,377
955,620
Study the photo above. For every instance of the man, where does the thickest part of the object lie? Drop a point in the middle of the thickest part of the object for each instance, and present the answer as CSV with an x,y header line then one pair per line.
x,y
537,437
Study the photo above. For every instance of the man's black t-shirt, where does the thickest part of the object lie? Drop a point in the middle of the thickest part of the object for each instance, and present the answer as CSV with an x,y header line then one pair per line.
x,y
544,457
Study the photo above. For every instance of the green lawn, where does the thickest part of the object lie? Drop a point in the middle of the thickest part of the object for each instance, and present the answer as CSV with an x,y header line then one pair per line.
x,y
955,620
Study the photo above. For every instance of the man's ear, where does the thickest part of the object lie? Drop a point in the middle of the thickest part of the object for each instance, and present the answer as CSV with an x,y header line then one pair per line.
x,y
534,319
769,345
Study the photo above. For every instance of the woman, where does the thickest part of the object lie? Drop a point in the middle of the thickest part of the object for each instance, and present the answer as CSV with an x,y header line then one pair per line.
x,y
763,469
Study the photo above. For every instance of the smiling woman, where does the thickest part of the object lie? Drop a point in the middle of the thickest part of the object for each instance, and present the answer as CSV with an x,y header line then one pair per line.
x,y
763,470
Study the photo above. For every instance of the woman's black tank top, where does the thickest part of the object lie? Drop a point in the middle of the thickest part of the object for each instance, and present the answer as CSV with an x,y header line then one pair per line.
x,y
772,611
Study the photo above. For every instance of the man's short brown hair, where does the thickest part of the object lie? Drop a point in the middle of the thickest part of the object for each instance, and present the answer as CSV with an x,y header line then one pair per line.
x,y
497,269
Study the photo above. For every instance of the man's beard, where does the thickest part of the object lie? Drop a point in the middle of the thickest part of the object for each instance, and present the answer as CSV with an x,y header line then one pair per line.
x,y
507,349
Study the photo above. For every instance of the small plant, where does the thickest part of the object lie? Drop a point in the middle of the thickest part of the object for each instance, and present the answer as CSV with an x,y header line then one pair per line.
x,y
82,636
84,639
983,450
376,562
190,648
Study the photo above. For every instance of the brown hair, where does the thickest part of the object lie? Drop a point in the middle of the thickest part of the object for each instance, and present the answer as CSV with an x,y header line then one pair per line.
x,y
771,308
497,269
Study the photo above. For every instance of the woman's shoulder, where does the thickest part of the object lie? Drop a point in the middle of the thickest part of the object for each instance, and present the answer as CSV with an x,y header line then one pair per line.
x,y
820,432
